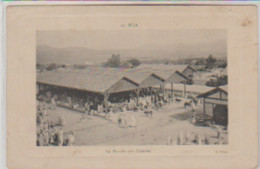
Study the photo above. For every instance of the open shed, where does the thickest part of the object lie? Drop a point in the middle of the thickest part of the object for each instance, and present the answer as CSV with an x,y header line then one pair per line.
x,y
100,82
215,104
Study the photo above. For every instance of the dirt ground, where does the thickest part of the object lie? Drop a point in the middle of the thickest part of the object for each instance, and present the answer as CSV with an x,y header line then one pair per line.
x,y
167,122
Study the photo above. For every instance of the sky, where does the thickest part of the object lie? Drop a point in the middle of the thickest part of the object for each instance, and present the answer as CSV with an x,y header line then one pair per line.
x,y
140,43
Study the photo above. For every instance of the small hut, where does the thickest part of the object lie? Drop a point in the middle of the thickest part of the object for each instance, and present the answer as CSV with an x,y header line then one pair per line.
x,y
215,104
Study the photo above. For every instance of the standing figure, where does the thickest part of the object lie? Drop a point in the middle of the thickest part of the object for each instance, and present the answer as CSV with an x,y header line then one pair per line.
x,y
193,106
181,140
200,140
71,139
40,140
219,133
45,137
169,141
188,138
60,137
206,140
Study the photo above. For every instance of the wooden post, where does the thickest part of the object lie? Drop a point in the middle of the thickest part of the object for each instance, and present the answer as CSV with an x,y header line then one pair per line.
x,y
171,90
73,97
151,94
137,91
204,106
185,88
163,88
106,96
212,110
151,91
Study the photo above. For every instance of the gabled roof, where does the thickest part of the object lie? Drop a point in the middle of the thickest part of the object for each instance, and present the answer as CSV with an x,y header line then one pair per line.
x,y
196,89
151,80
103,79
93,80
215,90
138,75
180,80
224,88
163,73
224,72
179,68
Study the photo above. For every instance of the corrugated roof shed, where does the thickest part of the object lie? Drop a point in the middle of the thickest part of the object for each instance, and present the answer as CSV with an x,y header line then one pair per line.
x,y
177,77
214,90
151,80
189,88
144,76
137,75
163,73
174,68
98,80
103,79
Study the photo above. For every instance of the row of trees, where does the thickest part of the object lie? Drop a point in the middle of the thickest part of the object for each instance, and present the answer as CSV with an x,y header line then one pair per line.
x,y
211,62
49,67
54,66
115,61
220,81
207,63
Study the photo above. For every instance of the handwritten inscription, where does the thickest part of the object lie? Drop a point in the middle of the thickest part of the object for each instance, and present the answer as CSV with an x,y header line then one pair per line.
x,y
221,151
114,150
129,25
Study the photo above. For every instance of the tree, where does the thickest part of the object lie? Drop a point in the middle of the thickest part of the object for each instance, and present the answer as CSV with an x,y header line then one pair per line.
x,y
200,61
220,81
39,66
135,62
210,62
114,61
51,67
223,65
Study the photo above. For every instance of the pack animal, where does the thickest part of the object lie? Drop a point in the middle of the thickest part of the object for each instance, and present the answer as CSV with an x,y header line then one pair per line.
x,y
148,113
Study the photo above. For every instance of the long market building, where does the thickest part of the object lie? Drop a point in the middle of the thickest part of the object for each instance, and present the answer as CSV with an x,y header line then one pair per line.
x,y
100,83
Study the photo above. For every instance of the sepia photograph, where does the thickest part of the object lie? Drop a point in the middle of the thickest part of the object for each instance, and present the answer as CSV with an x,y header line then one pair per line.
x,y
128,85
132,87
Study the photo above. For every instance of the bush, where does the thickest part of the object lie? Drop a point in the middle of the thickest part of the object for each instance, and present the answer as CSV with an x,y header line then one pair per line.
x,y
220,81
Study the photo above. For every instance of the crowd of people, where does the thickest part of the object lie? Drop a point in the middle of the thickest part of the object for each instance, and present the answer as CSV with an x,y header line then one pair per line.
x,y
190,139
51,132
94,103
115,109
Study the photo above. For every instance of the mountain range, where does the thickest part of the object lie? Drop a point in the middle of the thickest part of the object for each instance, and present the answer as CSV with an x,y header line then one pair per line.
x,y
80,55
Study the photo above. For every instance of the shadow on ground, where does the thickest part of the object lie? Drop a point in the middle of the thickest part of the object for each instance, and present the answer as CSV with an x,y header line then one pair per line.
x,y
187,115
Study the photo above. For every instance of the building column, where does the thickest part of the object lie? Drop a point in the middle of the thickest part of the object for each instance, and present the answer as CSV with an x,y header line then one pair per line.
x,y
137,92
163,88
172,90
106,96
213,106
184,90
151,90
204,106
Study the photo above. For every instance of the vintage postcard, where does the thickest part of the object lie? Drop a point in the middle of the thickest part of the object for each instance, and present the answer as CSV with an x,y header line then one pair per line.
x,y
131,85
